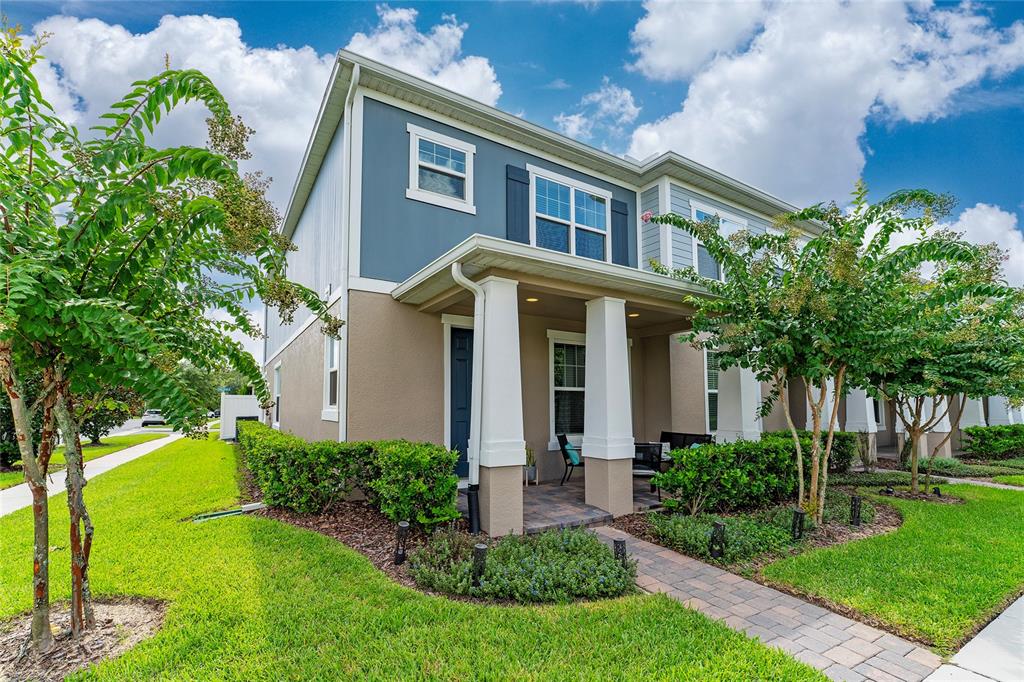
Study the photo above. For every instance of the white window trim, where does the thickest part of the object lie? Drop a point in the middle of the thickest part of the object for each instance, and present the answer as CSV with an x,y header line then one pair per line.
x,y
722,215
576,339
574,185
707,393
880,424
414,192
276,409
330,412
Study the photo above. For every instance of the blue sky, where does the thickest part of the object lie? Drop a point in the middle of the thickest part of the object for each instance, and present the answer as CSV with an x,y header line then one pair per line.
x,y
799,99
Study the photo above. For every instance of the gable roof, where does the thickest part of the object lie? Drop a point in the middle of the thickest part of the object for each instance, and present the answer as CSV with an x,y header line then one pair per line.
x,y
400,85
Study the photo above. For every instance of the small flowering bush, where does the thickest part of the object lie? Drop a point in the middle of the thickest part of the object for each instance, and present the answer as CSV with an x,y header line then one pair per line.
x,y
556,566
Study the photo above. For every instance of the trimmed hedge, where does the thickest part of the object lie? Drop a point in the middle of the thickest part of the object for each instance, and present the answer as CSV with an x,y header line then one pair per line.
x,y
844,447
723,477
994,442
407,481
555,566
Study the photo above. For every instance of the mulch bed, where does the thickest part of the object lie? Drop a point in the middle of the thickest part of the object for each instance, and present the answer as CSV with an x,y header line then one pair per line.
x,y
120,625
922,497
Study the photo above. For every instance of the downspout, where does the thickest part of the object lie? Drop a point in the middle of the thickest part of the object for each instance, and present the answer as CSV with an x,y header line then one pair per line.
x,y
476,416
346,207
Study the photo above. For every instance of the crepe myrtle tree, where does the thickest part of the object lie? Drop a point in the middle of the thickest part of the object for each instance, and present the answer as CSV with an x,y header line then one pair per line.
x,y
113,252
792,307
959,331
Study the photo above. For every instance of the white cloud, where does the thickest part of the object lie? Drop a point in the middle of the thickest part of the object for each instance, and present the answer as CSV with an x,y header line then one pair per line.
x,y
434,56
610,108
984,224
674,38
786,110
91,64
558,84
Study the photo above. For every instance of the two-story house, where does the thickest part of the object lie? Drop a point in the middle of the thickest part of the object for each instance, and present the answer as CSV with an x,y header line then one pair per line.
x,y
496,283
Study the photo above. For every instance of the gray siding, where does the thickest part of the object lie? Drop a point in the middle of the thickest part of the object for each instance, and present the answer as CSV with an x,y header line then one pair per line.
x,y
399,235
317,262
679,200
650,243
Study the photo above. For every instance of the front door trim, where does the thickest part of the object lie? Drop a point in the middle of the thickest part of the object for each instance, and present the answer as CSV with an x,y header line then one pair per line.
x,y
449,321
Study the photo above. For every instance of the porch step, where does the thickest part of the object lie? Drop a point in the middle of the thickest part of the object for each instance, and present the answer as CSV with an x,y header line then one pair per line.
x,y
602,520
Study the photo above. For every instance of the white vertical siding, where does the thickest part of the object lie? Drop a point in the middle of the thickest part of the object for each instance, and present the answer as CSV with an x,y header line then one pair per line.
x,y
317,262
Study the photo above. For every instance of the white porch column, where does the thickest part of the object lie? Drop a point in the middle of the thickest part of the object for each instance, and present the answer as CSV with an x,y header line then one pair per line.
x,y
860,418
999,411
607,412
739,398
502,446
972,413
826,409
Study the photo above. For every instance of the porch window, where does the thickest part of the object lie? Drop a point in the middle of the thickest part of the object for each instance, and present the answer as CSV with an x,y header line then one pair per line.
x,y
703,261
711,394
331,364
569,373
569,216
440,170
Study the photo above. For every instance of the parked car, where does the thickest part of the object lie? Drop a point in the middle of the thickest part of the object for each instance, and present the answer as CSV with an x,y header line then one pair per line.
x,y
153,418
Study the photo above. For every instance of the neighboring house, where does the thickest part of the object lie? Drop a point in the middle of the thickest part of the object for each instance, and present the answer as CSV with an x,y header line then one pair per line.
x,y
496,285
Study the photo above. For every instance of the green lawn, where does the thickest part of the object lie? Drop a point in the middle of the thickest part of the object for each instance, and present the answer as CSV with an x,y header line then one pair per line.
x,y
1017,479
110,444
252,599
945,571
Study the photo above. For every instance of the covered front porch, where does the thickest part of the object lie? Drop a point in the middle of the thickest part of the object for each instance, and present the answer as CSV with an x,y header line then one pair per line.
x,y
540,344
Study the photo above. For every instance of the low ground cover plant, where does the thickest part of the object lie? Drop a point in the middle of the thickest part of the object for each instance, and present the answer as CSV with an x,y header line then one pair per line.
x,y
555,566
879,478
407,481
1015,479
957,469
994,442
751,534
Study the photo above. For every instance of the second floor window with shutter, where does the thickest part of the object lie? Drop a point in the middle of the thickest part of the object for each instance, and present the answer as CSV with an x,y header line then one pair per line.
x,y
570,217
703,262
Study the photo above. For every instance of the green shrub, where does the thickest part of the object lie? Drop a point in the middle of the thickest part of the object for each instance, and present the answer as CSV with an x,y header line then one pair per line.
x,y
745,537
1015,463
737,475
954,467
556,566
407,481
994,442
844,448
880,478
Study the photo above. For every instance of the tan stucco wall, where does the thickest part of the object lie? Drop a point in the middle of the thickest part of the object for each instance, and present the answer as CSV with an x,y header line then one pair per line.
x,y
609,485
501,500
687,389
655,414
776,419
395,370
302,386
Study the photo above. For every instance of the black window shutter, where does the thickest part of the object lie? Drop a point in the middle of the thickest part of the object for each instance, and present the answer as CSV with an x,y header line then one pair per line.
x,y
517,204
620,232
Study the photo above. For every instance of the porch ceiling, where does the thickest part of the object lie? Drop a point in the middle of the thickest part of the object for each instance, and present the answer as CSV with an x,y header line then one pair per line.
x,y
540,270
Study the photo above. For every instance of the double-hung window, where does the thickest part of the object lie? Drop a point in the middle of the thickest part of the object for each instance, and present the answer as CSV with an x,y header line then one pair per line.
x,y
703,261
569,216
277,395
711,392
331,387
568,356
440,170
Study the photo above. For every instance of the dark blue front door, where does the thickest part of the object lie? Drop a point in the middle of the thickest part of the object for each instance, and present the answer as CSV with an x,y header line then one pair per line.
x,y
461,384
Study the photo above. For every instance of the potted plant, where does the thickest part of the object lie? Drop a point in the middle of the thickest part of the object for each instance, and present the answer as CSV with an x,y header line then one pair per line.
x,y
530,470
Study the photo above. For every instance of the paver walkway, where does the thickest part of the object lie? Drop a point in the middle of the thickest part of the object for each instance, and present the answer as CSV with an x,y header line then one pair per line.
x,y
996,653
20,496
843,648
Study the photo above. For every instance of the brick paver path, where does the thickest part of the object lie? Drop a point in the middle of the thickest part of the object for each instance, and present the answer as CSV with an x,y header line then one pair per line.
x,y
843,648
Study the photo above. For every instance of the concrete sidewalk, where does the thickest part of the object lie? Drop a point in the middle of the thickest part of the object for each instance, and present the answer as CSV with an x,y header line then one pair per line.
x,y
20,496
996,653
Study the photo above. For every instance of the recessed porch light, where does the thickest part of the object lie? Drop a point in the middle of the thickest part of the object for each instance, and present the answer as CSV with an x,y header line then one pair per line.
x,y
532,300
633,315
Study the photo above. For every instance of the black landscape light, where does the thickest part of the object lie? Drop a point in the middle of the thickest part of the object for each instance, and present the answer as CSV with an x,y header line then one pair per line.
x,y
797,527
887,490
479,561
402,536
938,493
620,551
717,545
855,501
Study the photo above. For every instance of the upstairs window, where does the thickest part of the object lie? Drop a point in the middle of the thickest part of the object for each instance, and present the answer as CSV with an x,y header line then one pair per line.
x,y
569,216
703,261
440,170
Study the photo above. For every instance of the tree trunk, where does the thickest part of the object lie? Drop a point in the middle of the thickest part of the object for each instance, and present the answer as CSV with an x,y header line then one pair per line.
x,y
35,475
81,533
819,512
915,448
784,396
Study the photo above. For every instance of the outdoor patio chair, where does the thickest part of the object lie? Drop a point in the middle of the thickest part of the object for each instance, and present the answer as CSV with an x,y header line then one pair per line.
x,y
682,441
649,460
568,449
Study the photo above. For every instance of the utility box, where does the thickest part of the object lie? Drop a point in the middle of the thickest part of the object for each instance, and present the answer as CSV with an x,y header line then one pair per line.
x,y
234,408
